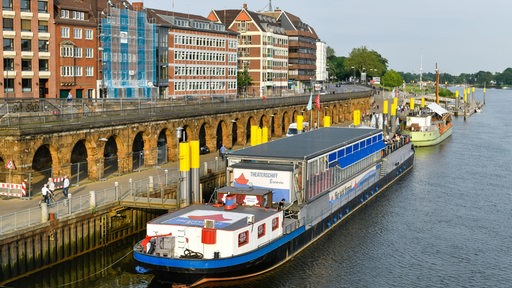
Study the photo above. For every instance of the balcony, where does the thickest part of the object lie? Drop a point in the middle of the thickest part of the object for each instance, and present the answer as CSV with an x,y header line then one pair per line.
x,y
10,74
44,36
8,14
27,74
27,54
26,15
44,55
27,34
44,74
9,34
9,54
43,16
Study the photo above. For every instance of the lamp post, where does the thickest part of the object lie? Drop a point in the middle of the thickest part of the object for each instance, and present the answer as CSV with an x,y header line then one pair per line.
x,y
354,70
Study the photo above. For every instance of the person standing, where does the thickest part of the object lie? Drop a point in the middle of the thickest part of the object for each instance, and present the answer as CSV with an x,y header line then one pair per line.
x,y
222,152
70,97
51,185
65,188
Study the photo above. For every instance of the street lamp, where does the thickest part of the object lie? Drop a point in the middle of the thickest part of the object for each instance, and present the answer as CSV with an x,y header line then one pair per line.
x,y
354,69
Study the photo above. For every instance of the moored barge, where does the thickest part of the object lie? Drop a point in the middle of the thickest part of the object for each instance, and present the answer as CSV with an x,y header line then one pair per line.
x,y
280,197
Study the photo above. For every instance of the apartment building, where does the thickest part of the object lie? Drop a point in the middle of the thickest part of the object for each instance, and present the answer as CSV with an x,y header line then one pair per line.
x,y
201,59
302,49
262,49
76,49
28,41
128,51
321,62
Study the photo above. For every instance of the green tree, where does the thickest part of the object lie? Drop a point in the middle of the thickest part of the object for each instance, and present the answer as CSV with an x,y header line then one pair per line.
x,y
504,78
483,77
363,60
243,81
391,79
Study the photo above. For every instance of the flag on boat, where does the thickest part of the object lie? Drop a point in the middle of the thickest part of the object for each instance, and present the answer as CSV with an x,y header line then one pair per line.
x,y
317,101
310,102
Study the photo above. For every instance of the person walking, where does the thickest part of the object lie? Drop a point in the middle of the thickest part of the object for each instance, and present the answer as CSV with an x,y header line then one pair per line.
x,y
45,192
222,152
65,187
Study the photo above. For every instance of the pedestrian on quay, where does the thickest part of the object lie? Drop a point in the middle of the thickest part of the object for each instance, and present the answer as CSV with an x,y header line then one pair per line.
x,y
222,152
45,193
65,187
51,185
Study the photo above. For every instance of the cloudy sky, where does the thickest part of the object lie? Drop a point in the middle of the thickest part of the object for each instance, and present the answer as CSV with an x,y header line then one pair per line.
x,y
461,36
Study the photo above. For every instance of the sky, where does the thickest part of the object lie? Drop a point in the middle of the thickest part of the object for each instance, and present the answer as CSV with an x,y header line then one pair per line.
x,y
461,36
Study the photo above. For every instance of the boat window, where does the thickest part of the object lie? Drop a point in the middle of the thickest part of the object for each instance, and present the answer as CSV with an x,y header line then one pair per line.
x,y
243,238
341,153
349,150
368,142
362,144
261,230
275,223
355,147
332,157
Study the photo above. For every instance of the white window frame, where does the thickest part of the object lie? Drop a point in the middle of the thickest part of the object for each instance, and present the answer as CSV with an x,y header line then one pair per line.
x,y
89,34
64,32
77,33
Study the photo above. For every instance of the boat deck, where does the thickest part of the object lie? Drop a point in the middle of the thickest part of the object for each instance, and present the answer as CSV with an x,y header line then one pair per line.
x,y
230,220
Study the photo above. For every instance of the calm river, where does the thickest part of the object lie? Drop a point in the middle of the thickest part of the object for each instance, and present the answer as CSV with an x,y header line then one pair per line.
x,y
448,224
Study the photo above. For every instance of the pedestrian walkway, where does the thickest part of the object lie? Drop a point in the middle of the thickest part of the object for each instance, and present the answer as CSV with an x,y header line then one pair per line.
x,y
9,205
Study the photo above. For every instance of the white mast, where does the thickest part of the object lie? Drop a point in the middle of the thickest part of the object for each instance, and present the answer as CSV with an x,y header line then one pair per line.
x,y
421,71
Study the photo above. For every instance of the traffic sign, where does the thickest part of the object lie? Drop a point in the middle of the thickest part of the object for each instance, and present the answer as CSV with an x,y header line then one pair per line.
x,y
10,165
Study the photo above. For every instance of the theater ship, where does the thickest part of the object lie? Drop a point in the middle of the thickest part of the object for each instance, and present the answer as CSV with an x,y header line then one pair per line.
x,y
281,196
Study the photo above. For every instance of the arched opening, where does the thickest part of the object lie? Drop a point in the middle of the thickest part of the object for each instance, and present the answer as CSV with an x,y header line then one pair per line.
x,y
234,133
3,171
204,149
272,123
138,152
42,167
248,131
161,147
79,167
219,135
286,122
110,158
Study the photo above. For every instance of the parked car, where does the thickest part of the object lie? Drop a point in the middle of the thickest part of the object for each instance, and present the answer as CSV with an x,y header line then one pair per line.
x,y
204,150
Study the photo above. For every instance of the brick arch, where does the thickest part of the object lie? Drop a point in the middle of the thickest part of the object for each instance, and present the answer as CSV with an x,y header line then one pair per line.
x,y
226,133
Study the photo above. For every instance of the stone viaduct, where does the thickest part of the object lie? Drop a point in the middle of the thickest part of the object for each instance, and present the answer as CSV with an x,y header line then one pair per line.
x,y
124,139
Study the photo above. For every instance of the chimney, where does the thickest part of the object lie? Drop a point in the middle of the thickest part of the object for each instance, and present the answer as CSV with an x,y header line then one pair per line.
x,y
137,6
245,6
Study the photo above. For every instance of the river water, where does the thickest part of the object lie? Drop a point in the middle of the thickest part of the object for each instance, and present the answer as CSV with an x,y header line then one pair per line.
x,y
447,224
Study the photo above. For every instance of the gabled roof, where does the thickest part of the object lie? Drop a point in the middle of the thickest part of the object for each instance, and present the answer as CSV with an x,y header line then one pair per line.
x,y
265,23
166,18
291,21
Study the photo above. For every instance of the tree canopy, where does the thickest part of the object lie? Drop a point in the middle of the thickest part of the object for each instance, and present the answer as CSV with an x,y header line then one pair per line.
x,y
391,79
363,60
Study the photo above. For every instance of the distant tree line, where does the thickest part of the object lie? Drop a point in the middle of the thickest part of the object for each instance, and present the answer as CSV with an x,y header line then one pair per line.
x,y
362,60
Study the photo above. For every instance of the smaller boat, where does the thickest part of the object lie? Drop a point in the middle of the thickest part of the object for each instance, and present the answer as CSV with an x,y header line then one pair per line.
x,y
428,126
431,125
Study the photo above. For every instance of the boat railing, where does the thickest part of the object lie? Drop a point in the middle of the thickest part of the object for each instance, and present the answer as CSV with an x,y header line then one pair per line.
x,y
393,145
292,224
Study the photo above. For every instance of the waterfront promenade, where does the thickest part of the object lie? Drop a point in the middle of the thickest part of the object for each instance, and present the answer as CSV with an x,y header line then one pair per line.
x,y
19,213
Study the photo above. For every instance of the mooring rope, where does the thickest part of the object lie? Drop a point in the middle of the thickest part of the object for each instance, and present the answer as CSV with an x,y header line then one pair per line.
x,y
102,270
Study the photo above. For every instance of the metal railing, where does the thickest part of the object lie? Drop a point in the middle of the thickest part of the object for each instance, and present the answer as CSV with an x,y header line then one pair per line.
x,y
80,203
96,113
